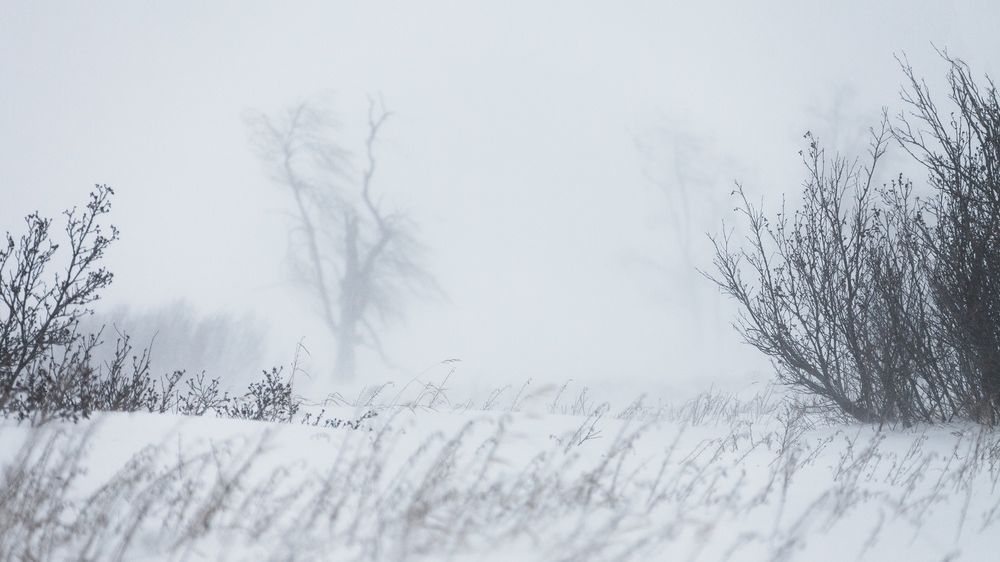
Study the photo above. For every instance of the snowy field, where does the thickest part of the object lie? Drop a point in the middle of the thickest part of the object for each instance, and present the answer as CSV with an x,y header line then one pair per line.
x,y
213,214
552,475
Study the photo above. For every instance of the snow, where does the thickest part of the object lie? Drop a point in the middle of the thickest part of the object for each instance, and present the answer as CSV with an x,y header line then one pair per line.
x,y
721,478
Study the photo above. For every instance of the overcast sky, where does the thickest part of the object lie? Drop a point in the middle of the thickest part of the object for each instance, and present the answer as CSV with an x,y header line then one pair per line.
x,y
563,159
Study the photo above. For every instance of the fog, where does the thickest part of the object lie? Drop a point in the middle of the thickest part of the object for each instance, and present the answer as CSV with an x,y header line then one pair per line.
x,y
562,160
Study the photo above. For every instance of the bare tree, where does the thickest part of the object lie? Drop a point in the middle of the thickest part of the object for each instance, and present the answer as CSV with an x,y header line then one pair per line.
x,y
358,259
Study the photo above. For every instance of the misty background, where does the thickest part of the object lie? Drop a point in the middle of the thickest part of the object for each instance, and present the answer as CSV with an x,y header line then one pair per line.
x,y
563,161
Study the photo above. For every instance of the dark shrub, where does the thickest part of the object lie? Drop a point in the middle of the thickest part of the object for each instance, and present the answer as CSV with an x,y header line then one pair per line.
x,y
47,365
960,149
885,305
44,360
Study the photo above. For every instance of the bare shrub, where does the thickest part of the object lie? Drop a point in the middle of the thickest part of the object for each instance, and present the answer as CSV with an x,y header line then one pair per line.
x,y
960,148
885,305
48,366
269,399
43,357
832,293
183,337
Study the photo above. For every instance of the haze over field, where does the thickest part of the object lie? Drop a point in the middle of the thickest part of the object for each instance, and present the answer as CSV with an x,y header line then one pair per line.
x,y
563,160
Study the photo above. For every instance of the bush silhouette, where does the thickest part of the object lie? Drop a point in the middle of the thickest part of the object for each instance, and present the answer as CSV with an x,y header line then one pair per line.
x,y
885,305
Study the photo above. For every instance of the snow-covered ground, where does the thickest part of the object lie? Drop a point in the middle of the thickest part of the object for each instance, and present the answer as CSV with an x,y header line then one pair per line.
x,y
553,477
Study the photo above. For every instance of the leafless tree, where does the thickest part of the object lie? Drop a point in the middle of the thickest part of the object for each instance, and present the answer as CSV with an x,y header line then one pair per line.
x,y
357,258
683,166
686,170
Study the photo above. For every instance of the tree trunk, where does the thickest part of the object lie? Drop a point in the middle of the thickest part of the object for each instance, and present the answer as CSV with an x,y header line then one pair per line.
x,y
345,363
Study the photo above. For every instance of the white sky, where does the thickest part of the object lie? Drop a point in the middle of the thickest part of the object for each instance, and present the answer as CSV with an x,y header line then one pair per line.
x,y
513,144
